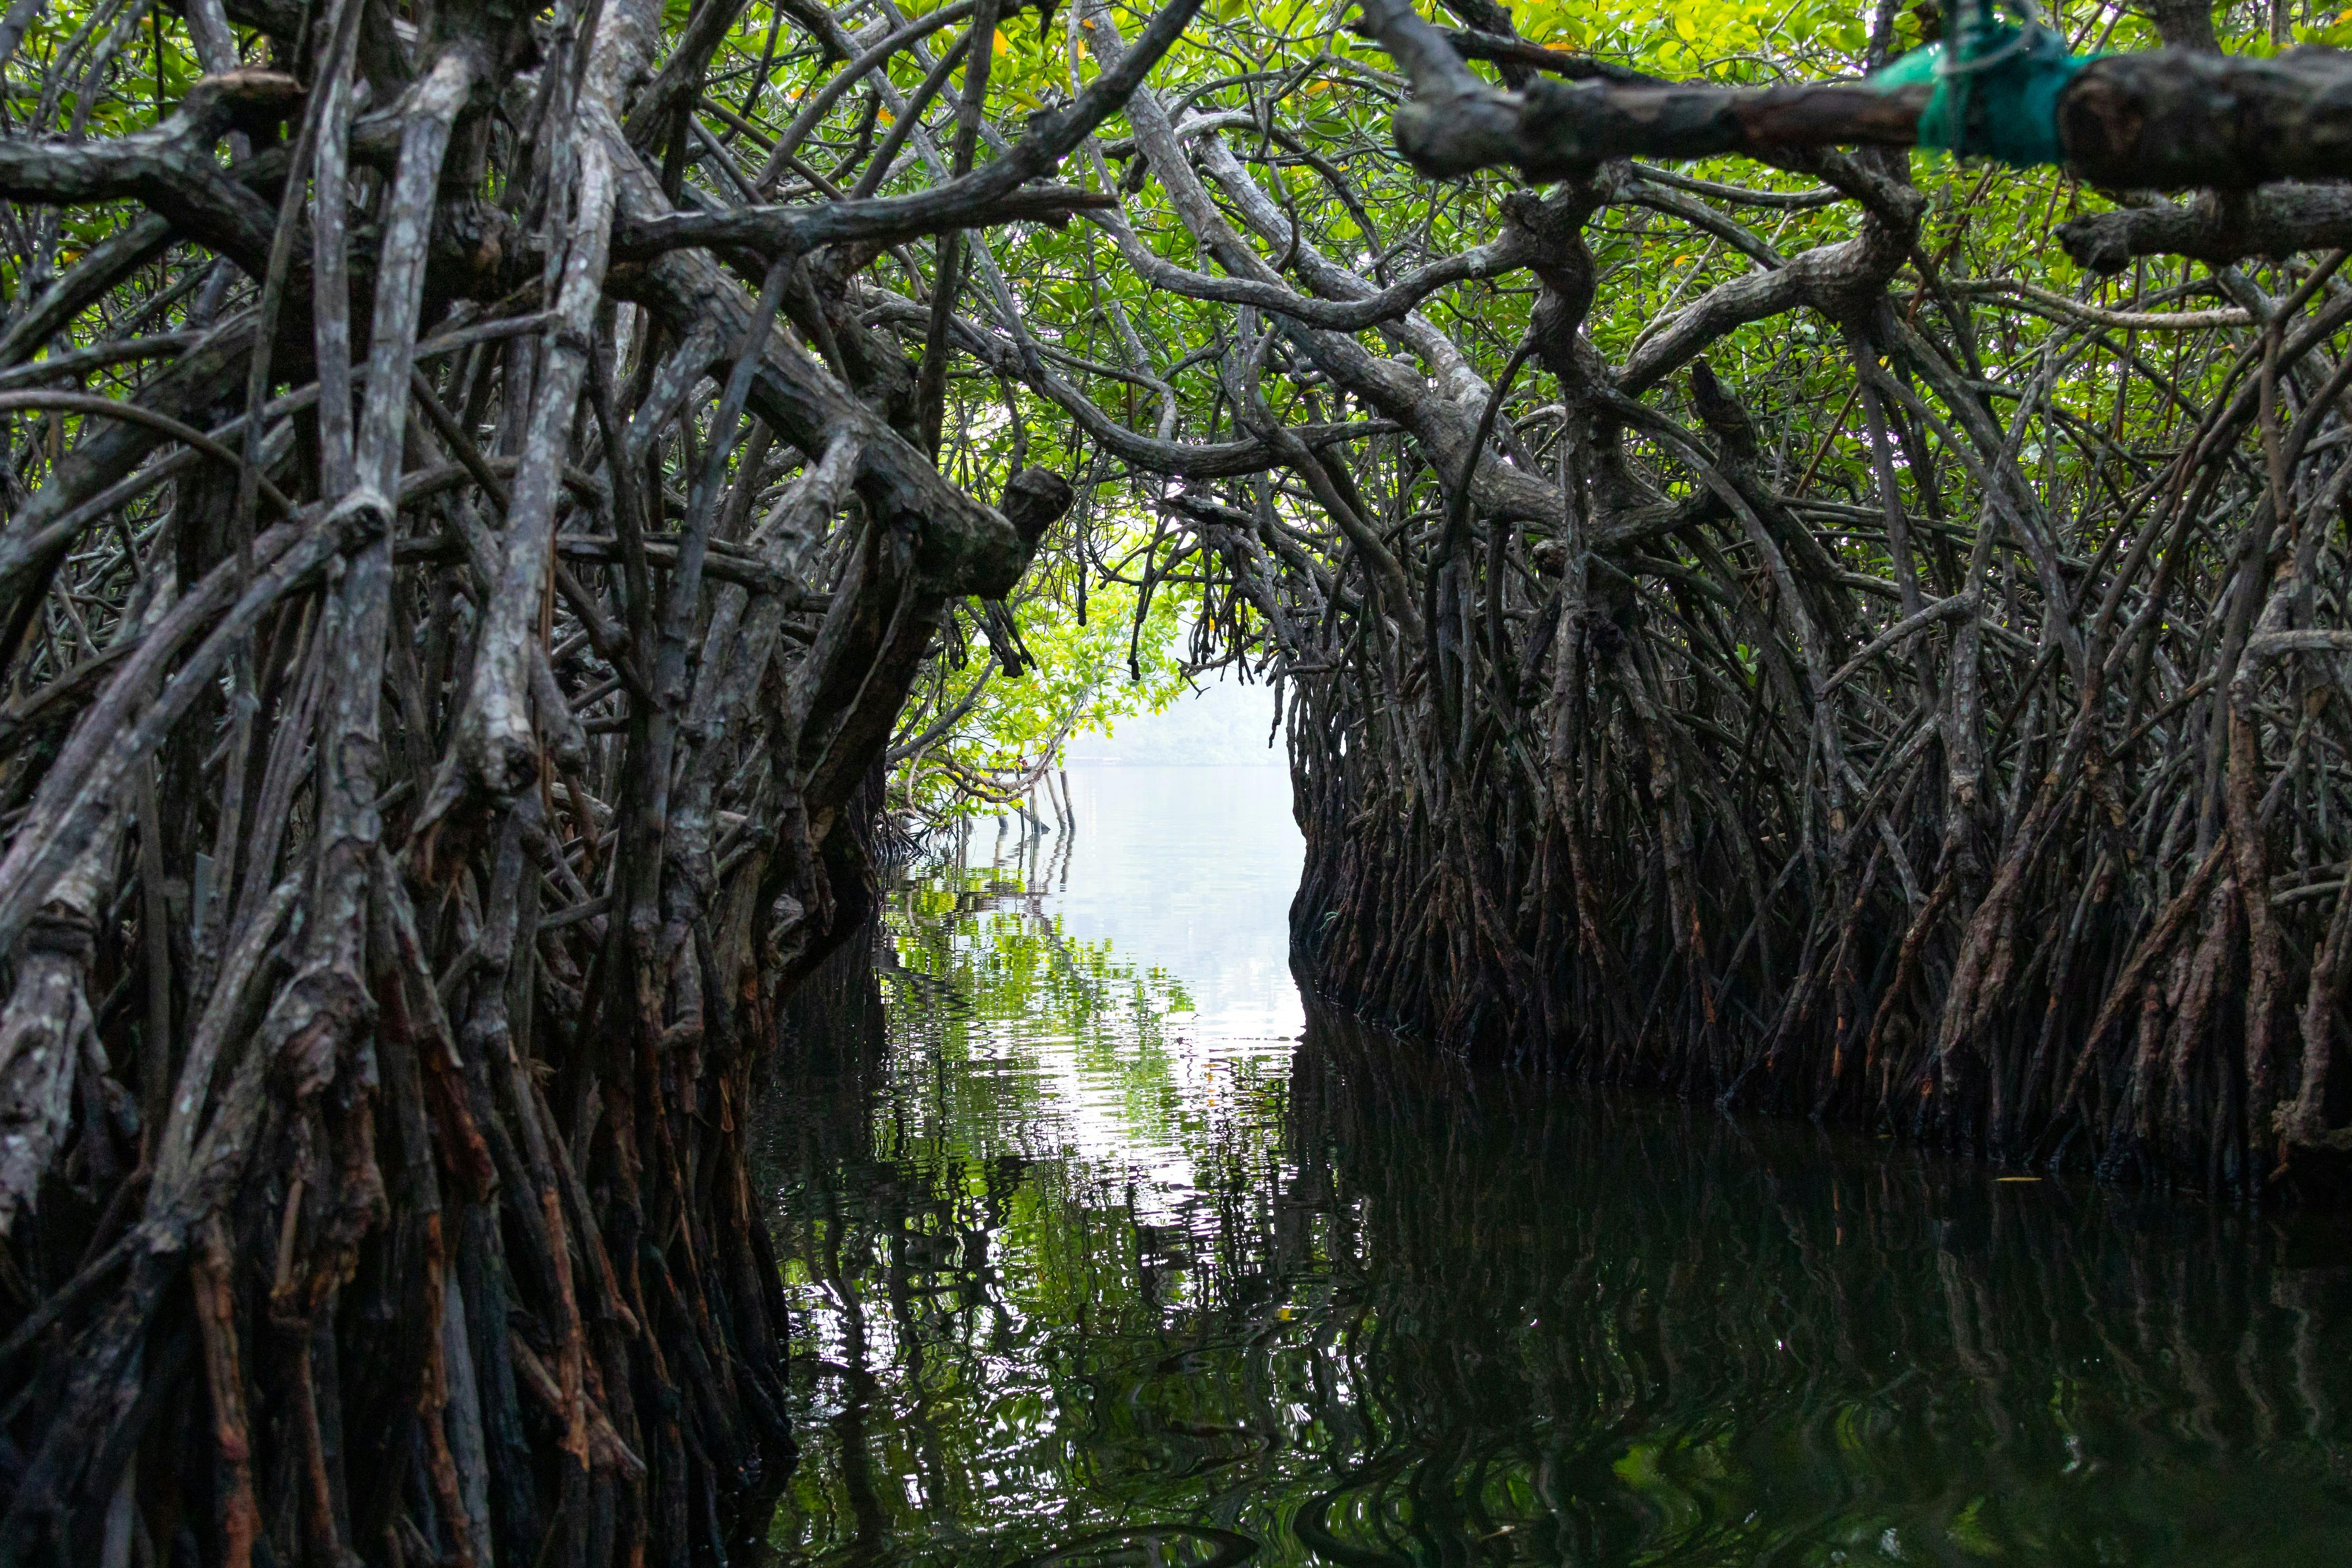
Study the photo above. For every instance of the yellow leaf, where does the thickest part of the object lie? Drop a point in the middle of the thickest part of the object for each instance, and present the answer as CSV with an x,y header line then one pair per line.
x,y
885,116
1003,44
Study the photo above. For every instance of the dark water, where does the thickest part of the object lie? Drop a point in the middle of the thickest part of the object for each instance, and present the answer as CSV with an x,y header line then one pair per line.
x,y
1102,1251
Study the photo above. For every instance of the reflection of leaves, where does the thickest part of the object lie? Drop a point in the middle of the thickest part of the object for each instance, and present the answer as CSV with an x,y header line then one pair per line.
x,y
1015,967
1968,1533
965,1240
1174,1545
1015,977
1401,1314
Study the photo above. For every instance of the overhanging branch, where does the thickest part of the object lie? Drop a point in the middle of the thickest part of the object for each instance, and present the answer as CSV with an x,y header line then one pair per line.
x,y
2169,118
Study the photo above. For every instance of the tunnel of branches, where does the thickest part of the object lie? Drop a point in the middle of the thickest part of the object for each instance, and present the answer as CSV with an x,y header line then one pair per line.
x,y
492,492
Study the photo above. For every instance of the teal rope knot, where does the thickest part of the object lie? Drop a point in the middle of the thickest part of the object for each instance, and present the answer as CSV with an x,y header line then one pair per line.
x,y
1997,86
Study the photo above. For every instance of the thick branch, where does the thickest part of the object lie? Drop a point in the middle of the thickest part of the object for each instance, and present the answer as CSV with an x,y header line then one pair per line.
x,y
793,230
171,169
2166,119
2218,228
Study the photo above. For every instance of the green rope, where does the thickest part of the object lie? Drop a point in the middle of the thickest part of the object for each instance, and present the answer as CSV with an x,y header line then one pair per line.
x,y
1996,86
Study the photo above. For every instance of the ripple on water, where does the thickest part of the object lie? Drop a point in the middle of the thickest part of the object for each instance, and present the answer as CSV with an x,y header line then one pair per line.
x,y
1095,1260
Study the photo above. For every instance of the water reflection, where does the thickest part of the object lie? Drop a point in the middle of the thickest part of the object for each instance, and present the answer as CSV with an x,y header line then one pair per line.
x,y
1087,1273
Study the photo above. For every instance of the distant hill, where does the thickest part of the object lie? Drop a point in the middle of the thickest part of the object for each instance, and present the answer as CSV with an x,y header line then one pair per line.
x,y
1224,725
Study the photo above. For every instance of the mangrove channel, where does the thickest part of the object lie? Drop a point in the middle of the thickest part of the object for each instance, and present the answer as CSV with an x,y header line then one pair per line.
x,y
1797,552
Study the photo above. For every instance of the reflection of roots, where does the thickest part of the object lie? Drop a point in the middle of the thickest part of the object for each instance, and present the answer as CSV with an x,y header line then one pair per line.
x,y
1312,1525
1149,1545
925,988
1060,949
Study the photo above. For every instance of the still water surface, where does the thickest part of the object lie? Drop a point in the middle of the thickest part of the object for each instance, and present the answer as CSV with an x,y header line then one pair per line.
x,y
1103,1249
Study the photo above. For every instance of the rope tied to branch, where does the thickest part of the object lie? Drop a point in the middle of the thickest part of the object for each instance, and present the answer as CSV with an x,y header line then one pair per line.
x,y
1997,85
